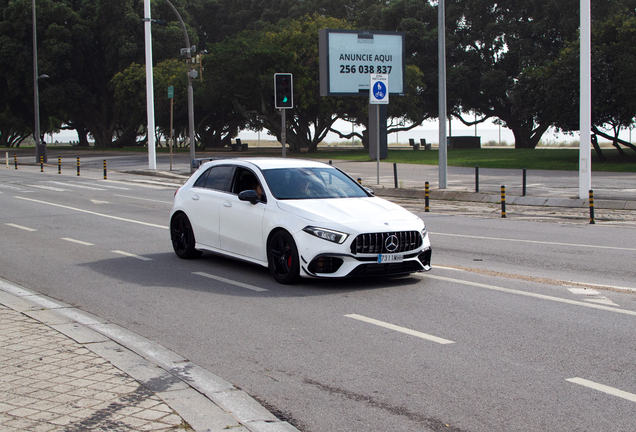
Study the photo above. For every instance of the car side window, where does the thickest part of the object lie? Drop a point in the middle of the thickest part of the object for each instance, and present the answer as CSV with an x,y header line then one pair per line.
x,y
245,179
217,178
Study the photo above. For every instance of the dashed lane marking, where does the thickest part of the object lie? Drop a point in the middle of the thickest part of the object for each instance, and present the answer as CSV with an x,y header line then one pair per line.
x,y
20,227
78,241
230,281
405,330
603,388
128,254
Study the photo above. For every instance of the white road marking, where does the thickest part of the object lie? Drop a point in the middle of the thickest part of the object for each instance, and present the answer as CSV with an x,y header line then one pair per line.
x,y
144,199
93,213
51,188
139,257
78,241
230,281
534,241
20,227
529,294
583,291
109,186
400,329
603,388
76,185
602,300
94,201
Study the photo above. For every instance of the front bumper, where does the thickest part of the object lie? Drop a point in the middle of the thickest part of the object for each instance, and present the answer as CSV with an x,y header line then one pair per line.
x,y
344,265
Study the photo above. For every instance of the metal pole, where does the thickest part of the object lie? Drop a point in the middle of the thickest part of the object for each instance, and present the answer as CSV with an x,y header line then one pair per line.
x,y
441,36
283,129
40,148
395,178
171,126
476,178
190,91
525,183
426,197
585,114
377,138
150,96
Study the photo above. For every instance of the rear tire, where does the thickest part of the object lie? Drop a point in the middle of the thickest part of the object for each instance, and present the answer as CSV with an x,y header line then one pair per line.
x,y
182,237
282,256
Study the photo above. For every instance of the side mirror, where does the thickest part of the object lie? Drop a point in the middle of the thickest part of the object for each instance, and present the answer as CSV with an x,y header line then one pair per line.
x,y
249,195
369,190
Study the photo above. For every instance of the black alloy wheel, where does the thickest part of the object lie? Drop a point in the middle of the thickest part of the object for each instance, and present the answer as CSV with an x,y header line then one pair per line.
x,y
282,256
183,237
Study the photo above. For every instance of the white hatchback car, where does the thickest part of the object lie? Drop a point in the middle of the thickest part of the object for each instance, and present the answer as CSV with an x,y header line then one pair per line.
x,y
299,218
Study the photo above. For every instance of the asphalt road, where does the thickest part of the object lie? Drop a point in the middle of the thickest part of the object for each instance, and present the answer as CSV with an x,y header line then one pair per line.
x,y
492,339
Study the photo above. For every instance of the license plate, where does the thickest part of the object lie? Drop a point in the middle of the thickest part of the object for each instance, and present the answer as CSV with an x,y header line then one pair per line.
x,y
391,258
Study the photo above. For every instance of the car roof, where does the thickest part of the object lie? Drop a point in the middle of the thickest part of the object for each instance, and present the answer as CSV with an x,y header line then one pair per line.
x,y
273,163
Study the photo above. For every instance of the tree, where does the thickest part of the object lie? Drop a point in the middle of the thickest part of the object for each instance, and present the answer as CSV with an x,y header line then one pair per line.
x,y
613,81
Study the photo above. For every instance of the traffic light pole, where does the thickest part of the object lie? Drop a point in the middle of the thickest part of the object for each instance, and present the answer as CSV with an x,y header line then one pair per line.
x,y
283,129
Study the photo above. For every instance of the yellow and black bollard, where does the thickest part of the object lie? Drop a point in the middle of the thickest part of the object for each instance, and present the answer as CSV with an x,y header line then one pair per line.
x,y
104,169
59,164
78,166
41,163
15,160
426,197
592,207
503,202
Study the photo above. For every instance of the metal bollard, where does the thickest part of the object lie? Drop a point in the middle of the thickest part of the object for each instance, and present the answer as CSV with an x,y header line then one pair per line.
x,y
59,164
6,158
592,222
395,175
41,163
503,202
359,180
78,166
15,160
523,192
426,197
105,169
476,179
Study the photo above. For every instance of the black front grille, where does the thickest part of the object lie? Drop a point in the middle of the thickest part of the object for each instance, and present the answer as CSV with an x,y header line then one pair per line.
x,y
393,269
375,243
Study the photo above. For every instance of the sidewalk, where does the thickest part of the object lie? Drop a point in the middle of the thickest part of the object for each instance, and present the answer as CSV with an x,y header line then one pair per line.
x,y
64,370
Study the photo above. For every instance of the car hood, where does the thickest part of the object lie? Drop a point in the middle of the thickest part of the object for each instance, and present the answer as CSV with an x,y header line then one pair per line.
x,y
346,211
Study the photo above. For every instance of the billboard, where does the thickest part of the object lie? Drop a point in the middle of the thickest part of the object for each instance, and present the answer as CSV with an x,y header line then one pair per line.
x,y
349,57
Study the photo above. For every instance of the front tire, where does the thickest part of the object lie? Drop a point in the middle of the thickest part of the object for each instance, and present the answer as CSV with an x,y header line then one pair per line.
x,y
182,237
282,256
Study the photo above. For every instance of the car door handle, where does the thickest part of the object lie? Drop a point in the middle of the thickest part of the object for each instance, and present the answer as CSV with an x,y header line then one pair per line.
x,y
195,197
227,204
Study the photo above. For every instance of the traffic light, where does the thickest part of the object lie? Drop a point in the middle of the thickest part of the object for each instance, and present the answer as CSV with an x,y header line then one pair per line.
x,y
283,91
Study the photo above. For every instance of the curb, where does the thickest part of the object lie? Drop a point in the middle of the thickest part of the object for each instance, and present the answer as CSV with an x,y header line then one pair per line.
x,y
205,401
510,199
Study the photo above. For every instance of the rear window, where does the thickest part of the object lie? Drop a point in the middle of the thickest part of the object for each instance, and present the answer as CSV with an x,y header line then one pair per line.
x,y
216,177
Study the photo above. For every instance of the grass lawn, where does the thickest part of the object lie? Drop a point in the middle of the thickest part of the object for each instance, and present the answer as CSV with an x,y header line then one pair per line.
x,y
536,159
561,159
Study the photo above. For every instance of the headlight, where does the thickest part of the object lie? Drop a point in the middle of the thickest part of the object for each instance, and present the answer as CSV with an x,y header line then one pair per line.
x,y
326,234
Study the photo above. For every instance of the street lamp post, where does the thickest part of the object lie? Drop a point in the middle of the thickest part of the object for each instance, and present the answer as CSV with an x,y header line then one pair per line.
x,y
188,53
40,147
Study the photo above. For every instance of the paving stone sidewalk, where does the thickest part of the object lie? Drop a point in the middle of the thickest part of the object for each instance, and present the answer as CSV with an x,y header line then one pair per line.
x,y
49,382
62,369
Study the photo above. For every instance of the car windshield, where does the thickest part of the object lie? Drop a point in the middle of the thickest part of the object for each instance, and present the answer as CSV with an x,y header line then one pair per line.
x,y
311,183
